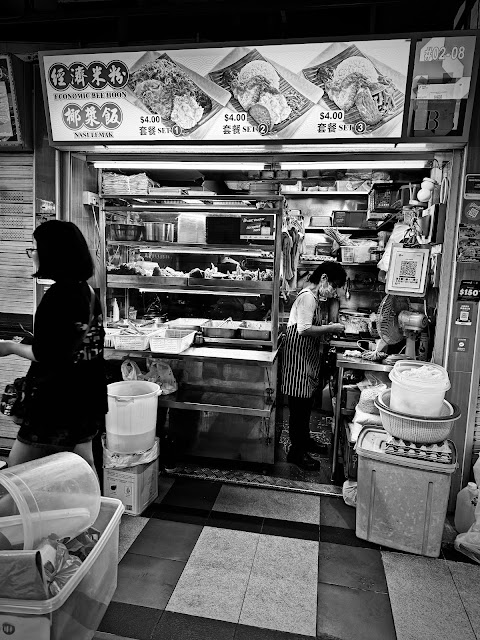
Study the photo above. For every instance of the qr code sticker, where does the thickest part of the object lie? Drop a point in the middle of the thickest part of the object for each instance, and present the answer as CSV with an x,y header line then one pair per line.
x,y
408,271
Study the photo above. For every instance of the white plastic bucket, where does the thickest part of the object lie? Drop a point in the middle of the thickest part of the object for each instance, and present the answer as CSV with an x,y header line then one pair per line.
x,y
418,396
132,415
57,494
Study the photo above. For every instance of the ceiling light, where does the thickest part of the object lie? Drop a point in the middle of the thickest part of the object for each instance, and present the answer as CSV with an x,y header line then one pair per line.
x,y
205,166
357,164
411,146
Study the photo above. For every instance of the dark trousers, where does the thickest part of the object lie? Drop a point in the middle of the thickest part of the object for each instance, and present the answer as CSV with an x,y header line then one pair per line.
x,y
299,422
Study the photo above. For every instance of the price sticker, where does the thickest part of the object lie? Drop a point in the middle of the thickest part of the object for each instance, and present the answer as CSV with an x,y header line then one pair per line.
x,y
469,290
331,116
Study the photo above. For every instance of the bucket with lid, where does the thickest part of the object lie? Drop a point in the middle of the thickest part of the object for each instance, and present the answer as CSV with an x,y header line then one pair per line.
x,y
58,495
418,388
132,415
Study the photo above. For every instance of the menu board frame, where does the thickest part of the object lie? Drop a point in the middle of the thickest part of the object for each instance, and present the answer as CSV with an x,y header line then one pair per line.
x,y
19,88
270,141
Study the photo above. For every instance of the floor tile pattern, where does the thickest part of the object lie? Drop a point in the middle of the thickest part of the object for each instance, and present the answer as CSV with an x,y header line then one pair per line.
x,y
216,560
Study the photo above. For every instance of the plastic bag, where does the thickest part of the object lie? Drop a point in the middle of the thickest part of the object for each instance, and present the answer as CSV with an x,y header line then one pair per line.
x,y
398,234
82,544
130,370
367,398
113,460
469,543
161,372
58,565
349,492
363,418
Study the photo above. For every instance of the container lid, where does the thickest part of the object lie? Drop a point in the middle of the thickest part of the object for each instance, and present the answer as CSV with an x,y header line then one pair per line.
x,y
371,444
424,375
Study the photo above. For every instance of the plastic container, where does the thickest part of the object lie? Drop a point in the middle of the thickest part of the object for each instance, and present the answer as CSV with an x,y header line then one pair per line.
x,y
132,415
426,430
172,341
78,609
418,397
465,507
57,494
401,503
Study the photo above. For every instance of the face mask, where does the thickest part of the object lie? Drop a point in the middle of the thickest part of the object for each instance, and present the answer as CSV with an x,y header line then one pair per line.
x,y
326,291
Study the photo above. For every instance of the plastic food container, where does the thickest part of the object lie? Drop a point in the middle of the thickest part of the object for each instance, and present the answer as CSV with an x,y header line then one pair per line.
x,y
132,415
57,494
418,396
401,502
172,341
76,612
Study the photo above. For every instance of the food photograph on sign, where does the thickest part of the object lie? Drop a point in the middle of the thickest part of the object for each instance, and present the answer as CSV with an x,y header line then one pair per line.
x,y
297,91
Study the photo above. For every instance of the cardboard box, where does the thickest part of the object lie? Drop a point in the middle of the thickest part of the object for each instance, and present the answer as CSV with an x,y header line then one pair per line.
x,y
136,487
351,219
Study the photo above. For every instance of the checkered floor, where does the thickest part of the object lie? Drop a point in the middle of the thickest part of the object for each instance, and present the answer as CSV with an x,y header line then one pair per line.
x,y
216,561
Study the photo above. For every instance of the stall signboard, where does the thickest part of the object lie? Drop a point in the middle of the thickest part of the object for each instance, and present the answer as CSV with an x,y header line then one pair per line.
x,y
441,85
309,91
10,129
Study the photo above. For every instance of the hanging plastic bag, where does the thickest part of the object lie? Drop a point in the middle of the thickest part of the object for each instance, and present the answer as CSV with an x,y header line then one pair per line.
x,y
398,234
130,370
161,373
349,492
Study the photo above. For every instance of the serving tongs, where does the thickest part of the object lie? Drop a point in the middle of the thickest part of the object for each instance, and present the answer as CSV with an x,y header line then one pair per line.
x,y
223,322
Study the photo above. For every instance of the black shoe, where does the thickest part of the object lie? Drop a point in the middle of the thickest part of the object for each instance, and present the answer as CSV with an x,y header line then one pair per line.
x,y
316,447
303,460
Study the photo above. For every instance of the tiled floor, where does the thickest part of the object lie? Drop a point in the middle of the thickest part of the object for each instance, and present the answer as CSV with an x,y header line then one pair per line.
x,y
214,561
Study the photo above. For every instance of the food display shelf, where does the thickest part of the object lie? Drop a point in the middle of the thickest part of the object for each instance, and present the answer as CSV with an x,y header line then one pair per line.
x,y
248,250
191,284
217,402
249,357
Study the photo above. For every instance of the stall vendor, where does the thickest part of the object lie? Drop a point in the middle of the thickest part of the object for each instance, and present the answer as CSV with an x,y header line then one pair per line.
x,y
309,324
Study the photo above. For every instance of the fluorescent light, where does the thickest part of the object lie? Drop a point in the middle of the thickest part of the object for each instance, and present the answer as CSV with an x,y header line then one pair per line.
x,y
413,146
238,293
358,164
202,249
207,166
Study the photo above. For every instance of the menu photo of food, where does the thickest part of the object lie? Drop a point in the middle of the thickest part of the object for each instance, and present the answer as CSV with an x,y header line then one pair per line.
x,y
367,91
271,96
179,95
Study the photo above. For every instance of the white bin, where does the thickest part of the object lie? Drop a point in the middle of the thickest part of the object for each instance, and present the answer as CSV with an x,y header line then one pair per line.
x,y
76,612
401,502
418,397
132,415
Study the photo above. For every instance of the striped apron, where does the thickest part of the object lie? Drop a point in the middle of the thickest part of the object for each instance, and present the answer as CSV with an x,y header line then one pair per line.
x,y
302,356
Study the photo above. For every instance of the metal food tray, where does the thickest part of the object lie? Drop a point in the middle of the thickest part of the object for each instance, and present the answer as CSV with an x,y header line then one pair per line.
x,y
255,330
220,329
191,324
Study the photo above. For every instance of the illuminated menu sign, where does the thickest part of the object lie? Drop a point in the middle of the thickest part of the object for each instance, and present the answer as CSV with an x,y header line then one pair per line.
x,y
309,91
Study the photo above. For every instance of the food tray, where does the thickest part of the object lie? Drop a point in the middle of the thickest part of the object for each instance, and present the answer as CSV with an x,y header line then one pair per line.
x,y
352,116
226,329
173,341
219,76
218,97
142,281
251,330
187,324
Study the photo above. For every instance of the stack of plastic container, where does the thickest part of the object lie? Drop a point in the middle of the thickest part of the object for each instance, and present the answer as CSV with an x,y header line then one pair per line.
x,y
57,495
404,469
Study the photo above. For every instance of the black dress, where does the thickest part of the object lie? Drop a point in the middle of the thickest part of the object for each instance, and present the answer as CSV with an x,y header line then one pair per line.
x,y
66,386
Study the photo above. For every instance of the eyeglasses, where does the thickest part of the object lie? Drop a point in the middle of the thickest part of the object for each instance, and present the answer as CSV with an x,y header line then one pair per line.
x,y
30,251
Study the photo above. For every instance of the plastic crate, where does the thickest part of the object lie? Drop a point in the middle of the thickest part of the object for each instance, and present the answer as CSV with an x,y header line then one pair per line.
x,y
78,609
382,198
127,341
173,341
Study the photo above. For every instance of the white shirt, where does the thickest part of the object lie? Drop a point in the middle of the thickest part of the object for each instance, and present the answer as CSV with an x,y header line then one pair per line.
x,y
303,310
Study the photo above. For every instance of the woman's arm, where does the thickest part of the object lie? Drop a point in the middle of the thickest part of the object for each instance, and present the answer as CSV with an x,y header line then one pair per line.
x,y
334,327
11,348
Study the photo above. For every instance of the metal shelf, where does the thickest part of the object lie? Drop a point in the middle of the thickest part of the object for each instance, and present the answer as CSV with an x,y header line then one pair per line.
x,y
216,198
341,228
234,356
236,287
217,402
310,194
175,247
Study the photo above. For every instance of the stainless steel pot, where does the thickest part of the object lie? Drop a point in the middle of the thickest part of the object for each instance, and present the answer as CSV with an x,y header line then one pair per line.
x,y
159,231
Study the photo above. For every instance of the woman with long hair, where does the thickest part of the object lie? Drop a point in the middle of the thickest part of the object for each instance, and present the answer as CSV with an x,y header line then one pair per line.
x,y
66,391
310,322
